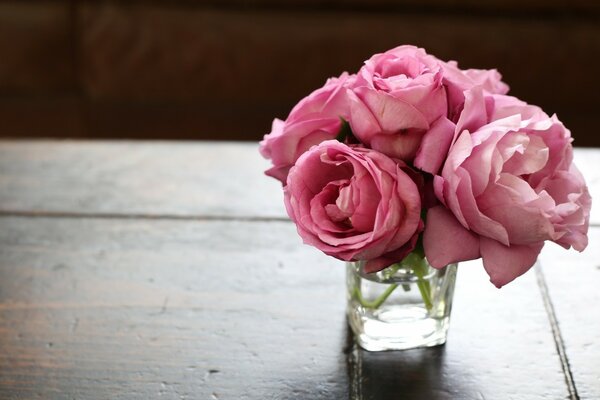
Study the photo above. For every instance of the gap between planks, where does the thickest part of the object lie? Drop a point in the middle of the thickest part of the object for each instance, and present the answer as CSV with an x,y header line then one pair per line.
x,y
138,216
558,340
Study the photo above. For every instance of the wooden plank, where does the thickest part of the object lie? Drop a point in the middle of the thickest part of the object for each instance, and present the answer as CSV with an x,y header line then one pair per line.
x,y
573,280
157,178
137,309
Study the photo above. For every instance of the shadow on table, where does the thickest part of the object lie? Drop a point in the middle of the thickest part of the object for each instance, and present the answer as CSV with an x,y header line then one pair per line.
x,y
409,374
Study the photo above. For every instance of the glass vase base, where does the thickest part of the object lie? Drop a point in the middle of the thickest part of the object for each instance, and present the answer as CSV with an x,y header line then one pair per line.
x,y
404,306
398,328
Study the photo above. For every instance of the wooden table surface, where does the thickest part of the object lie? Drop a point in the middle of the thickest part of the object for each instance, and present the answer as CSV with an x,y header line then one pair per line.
x,y
160,270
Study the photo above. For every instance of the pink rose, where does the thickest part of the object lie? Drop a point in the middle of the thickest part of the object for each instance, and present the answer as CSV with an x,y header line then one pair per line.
x,y
507,187
354,204
457,81
314,119
396,98
478,108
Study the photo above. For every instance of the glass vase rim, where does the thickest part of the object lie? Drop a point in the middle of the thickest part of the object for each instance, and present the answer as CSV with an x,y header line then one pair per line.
x,y
402,275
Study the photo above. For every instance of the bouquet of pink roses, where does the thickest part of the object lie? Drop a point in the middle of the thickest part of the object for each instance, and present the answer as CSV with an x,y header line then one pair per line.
x,y
413,156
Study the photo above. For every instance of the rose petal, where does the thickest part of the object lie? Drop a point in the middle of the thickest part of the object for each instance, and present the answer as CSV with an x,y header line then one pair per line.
x,y
446,241
505,263
384,261
402,145
392,113
474,115
434,146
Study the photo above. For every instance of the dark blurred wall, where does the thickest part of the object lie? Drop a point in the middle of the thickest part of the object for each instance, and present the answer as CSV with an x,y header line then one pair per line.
x,y
223,69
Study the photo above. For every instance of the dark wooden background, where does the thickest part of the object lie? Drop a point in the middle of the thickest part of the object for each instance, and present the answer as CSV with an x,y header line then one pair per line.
x,y
210,69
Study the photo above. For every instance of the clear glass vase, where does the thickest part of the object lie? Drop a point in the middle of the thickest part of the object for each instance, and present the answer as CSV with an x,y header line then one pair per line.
x,y
404,306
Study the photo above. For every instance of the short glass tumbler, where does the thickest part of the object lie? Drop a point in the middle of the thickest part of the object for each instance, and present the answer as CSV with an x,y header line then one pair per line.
x,y
400,307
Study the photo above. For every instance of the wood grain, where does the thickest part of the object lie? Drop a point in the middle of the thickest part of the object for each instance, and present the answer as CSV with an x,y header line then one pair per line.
x,y
573,280
139,309
153,178
158,178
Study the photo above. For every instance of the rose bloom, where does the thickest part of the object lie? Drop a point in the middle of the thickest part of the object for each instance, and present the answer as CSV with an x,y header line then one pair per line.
x,y
354,204
405,103
314,119
507,187
396,98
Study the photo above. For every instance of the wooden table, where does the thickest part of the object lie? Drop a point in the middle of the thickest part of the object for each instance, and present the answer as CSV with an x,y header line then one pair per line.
x,y
169,270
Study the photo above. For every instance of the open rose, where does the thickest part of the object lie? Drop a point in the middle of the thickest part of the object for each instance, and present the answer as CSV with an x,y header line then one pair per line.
x,y
507,187
314,119
354,204
396,98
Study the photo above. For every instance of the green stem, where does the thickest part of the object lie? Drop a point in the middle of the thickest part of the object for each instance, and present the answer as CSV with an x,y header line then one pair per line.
x,y
378,301
423,285
418,264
